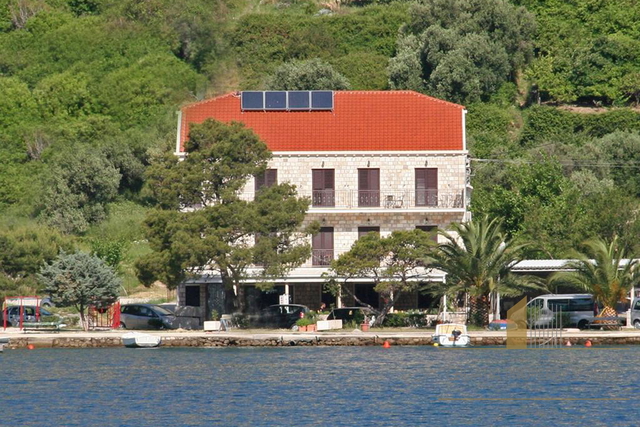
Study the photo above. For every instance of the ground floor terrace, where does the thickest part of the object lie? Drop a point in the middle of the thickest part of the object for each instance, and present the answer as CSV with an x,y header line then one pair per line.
x,y
305,286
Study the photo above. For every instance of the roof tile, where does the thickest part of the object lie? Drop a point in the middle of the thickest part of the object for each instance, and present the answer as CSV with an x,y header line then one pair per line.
x,y
360,121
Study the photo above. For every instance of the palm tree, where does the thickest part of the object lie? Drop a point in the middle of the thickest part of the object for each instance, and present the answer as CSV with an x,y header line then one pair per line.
x,y
603,271
477,258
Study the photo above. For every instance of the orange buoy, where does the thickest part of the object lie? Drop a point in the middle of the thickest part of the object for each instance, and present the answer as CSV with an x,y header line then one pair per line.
x,y
386,344
31,347
588,343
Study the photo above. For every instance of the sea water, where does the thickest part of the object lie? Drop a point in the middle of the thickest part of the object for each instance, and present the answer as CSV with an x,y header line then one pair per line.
x,y
320,386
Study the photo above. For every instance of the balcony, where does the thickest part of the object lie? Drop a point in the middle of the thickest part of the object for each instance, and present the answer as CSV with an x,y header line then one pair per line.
x,y
407,200
321,257
381,200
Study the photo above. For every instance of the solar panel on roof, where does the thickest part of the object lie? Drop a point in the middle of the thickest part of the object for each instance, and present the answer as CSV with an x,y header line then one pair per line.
x,y
275,100
321,100
253,100
287,100
299,100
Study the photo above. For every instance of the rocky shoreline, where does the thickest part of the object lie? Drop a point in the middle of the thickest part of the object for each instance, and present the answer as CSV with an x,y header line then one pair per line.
x,y
103,340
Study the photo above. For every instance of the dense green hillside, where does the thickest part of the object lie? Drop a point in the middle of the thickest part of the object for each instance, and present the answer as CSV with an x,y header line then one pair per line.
x,y
89,90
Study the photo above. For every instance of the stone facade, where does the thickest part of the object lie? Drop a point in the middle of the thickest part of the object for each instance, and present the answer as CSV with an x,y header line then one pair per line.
x,y
397,184
397,173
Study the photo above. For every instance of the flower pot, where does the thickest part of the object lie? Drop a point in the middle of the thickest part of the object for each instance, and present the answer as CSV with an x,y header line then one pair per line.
x,y
311,328
302,329
364,327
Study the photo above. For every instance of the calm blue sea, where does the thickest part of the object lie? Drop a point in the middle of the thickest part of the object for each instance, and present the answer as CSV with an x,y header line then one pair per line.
x,y
333,386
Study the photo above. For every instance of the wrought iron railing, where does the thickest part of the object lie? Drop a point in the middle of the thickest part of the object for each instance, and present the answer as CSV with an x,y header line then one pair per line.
x,y
350,199
321,257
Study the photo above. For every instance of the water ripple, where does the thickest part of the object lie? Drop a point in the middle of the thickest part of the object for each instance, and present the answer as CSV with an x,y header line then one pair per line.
x,y
320,386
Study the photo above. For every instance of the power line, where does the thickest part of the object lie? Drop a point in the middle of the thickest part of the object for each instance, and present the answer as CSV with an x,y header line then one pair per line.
x,y
563,163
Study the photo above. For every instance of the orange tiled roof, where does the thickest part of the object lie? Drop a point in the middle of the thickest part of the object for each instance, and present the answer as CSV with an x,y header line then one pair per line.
x,y
360,121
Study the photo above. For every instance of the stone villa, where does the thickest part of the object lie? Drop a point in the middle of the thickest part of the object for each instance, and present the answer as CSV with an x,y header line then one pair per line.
x,y
369,161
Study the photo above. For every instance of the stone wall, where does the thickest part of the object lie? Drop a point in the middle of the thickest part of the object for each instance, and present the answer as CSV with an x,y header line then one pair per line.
x,y
296,339
345,225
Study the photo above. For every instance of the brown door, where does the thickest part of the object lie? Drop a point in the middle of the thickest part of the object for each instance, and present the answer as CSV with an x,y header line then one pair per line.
x,y
323,247
427,187
323,187
369,187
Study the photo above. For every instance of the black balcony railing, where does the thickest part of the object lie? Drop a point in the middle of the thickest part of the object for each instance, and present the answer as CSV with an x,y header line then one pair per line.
x,y
322,257
323,198
427,198
369,198
407,199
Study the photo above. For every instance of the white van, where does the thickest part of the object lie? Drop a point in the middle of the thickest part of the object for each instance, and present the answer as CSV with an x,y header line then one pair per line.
x,y
580,307
635,313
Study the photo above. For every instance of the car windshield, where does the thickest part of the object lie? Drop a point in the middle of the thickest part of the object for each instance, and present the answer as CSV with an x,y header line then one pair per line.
x,y
162,311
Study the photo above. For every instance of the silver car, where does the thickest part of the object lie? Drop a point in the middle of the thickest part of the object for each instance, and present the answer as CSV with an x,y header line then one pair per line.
x,y
28,313
146,316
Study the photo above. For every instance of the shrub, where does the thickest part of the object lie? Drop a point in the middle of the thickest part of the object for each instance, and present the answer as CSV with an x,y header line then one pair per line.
x,y
304,322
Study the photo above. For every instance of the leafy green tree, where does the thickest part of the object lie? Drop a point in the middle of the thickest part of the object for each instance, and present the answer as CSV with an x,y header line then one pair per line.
x,y
220,233
586,50
364,70
462,50
221,158
76,190
602,270
110,251
312,74
23,249
630,87
395,264
522,186
477,257
80,280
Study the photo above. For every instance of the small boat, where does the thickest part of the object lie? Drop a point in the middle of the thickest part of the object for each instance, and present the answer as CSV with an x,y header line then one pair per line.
x,y
451,335
4,340
138,340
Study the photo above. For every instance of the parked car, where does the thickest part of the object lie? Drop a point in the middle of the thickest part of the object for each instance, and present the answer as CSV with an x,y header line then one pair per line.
x,y
281,316
635,314
146,316
351,314
29,313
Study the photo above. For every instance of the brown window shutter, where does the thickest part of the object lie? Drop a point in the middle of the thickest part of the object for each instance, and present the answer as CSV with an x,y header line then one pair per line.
x,y
323,247
369,187
317,179
271,177
363,231
363,180
432,186
329,179
374,179
432,178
